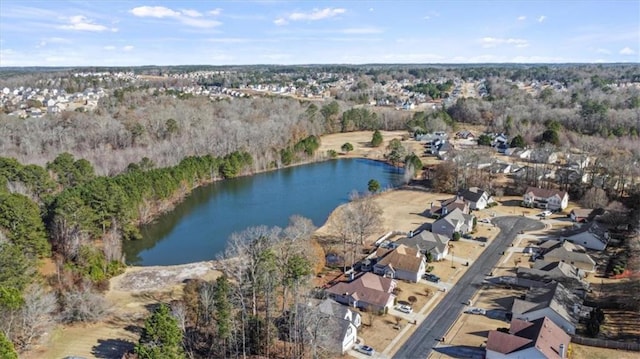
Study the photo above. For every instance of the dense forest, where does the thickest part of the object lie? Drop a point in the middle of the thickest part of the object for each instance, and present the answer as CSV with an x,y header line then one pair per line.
x,y
74,185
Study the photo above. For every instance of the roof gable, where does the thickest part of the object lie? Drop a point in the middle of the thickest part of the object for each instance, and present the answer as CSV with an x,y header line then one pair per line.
x,y
545,193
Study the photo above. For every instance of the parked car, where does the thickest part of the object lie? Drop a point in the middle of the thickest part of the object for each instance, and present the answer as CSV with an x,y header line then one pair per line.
x,y
481,239
365,349
545,214
404,309
478,311
485,220
432,277
467,236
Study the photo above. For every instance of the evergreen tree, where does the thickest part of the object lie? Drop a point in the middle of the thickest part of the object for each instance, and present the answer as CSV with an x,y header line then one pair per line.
x,y
161,337
6,348
376,140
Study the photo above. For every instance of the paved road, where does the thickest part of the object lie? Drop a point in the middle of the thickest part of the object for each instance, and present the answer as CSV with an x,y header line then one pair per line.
x,y
442,317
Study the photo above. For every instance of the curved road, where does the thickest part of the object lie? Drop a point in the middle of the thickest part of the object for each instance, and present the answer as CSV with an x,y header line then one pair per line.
x,y
442,317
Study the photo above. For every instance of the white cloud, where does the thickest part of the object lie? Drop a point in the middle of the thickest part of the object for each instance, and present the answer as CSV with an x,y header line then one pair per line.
x,y
370,9
191,13
603,51
109,47
215,12
280,21
522,18
154,11
317,14
362,30
188,17
81,23
627,51
542,18
128,48
314,15
488,42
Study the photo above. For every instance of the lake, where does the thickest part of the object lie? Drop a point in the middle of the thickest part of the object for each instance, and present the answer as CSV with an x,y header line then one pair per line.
x,y
199,227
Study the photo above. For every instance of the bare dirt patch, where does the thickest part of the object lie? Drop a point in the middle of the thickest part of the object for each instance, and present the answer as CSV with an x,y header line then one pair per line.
x,y
131,296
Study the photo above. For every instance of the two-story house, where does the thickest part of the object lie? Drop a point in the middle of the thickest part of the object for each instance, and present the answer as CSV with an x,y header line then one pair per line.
x,y
546,198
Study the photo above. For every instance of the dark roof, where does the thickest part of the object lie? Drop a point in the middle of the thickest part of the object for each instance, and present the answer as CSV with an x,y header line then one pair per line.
x,y
546,272
598,231
472,194
541,333
426,242
555,296
545,193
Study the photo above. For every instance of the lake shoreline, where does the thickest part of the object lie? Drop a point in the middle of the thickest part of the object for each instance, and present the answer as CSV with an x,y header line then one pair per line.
x,y
362,152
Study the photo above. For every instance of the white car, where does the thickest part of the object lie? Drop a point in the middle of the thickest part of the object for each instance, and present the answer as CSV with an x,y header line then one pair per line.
x,y
545,214
365,349
404,309
478,311
485,220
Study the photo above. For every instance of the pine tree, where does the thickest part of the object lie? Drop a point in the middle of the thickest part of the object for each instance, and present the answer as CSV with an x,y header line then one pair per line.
x,y
161,337
6,348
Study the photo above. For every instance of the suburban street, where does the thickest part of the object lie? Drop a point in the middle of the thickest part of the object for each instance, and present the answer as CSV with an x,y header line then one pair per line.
x,y
442,317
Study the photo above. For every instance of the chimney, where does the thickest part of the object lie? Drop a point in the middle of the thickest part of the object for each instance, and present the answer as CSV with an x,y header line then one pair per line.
x,y
562,351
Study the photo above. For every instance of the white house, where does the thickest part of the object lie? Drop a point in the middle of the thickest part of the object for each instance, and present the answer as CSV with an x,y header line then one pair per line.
x,y
590,235
553,301
403,262
546,198
455,221
537,339
343,324
476,197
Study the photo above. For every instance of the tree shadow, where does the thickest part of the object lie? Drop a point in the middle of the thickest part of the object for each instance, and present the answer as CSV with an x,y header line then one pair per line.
x,y
111,348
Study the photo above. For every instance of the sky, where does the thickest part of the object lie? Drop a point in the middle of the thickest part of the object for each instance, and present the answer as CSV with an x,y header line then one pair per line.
x,y
134,33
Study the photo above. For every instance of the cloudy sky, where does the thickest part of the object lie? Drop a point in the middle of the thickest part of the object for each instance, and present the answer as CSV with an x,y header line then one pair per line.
x,y
122,33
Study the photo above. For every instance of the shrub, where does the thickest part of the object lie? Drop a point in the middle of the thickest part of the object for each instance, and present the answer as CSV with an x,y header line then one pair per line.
x,y
332,153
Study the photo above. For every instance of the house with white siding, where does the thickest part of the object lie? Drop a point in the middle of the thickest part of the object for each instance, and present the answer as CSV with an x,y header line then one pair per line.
x,y
553,301
546,198
455,221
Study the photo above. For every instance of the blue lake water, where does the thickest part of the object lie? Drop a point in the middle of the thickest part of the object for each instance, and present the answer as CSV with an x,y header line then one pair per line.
x,y
199,227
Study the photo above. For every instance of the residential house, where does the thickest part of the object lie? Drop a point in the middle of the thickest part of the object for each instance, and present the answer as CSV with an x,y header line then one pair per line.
x,y
335,309
476,197
448,205
368,291
589,235
500,167
454,221
428,242
543,155
464,134
567,252
546,272
520,153
334,327
537,339
402,262
553,301
580,215
546,198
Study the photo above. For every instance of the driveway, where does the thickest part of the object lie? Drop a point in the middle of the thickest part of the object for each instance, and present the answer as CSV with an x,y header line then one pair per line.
x,y
442,317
